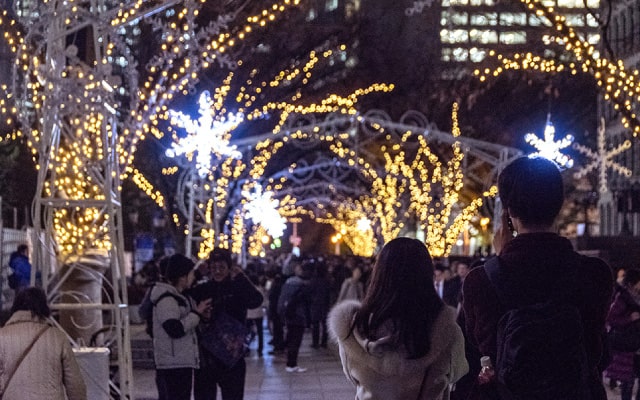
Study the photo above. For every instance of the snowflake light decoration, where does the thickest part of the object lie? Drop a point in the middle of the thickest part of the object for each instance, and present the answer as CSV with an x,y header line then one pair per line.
x,y
550,148
208,135
262,209
602,159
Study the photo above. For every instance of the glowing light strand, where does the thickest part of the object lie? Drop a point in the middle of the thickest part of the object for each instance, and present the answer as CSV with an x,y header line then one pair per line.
x,y
602,159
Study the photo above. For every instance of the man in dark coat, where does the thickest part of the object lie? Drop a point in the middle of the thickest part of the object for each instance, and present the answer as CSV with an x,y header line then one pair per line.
x,y
538,262
232,293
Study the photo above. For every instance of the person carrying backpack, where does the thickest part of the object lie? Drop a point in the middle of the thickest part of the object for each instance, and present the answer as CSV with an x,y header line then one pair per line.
x,y
538,309
175,343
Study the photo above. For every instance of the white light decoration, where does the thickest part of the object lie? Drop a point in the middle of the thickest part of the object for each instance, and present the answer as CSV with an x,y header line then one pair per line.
x,y
207,136
602,159
262,209
550,148
363,224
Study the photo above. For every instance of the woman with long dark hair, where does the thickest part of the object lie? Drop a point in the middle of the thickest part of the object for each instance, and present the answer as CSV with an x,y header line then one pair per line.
x,y
402,341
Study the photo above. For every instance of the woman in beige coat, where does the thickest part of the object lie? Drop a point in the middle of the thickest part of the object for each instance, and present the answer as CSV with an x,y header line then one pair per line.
x,y
402,342
49,371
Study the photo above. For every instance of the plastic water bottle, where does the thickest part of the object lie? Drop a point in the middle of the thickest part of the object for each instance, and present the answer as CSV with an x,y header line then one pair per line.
x,y
487,373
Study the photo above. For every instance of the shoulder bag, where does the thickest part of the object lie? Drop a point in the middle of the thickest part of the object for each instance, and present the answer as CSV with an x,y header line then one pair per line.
x,y
21,358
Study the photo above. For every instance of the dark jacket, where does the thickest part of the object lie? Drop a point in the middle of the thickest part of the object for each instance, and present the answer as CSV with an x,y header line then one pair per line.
x,y
535,265
621,366
320,298
300,289
233,296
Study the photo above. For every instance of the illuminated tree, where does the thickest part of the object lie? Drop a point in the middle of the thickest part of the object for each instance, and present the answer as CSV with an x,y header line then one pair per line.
x,y
211,206
619,84
417,185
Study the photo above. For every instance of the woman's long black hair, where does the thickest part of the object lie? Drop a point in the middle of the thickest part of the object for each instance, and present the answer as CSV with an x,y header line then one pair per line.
x,y
402,291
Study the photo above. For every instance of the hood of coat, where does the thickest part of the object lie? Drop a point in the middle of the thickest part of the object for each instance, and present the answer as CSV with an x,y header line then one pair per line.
x,y
384,354
160,288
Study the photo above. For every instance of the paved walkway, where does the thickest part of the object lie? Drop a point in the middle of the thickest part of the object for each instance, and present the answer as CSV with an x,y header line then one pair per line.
x,y
268,380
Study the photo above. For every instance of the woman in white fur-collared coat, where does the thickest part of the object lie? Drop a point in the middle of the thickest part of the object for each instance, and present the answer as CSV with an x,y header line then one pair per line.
x,y
401,342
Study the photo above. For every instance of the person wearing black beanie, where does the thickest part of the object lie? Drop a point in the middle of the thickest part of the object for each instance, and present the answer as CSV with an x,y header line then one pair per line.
x,y
175,344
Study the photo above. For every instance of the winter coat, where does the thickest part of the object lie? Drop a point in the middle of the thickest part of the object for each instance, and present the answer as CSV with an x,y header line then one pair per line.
x,y
381,371
533,266
320,298
21,266
351,290
48,371
621,365
175,344
231,296
300,288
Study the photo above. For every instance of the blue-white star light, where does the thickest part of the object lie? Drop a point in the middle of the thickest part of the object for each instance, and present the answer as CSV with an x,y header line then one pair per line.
x,y
550,148
262,209
207,136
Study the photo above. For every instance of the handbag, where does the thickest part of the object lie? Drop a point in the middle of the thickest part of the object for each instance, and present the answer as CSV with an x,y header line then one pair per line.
x,y
225,338
20,359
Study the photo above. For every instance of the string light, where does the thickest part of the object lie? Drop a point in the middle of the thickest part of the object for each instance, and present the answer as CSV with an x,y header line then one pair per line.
x,y
602,159
619,84
412,187
86,98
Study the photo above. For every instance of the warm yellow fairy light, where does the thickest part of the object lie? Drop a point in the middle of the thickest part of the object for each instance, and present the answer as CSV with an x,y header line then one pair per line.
x,y
406,191
619,84
168,75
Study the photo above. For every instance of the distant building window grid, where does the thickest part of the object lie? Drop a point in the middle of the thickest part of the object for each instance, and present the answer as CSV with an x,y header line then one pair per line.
x,y
474,17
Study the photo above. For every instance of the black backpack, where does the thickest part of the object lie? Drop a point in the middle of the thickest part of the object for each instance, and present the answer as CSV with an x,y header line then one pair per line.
x,y
146,308
541,350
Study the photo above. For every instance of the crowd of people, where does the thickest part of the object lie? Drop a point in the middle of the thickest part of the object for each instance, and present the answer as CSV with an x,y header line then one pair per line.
x,y
536,321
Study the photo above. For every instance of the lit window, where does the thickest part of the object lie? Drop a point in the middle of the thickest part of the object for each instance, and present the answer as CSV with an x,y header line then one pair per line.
x,y
459,18
483,36
534,20
513,37
446,3
460,54
311,15
484,19
593,38
331,5
454,36
477,55
483,2
591,21
575,20
446,55
548,3
508,19
578,3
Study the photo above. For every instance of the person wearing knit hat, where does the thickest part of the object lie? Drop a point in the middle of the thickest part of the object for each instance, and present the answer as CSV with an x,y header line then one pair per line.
x,y
233,294
177,267
175,343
